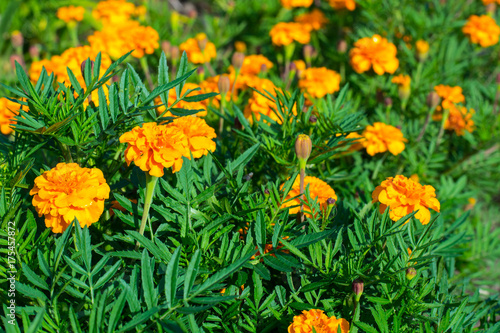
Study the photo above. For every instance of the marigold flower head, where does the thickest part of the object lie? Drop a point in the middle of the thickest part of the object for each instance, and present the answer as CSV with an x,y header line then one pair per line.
x,y
296,3
305,322
172,97
487,2
154,147
253,64
193,51
422,49
404,196
449,95
70,13
482,30
68,191
198,134
318,190
375,52
379,138
341,4
240,46
114,11
8,110
318,82
285,33
119,38
459,119
315,19
403,82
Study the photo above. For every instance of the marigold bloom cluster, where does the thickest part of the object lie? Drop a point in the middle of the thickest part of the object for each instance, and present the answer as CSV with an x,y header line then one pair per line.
x,y
449,95
8,110
285,33
482,30
296,3
316,318
154,147
459,119
70,13
67,192
341,4
404,196
375,52
318,82
315,19
379,138
318,190
194,52
172,97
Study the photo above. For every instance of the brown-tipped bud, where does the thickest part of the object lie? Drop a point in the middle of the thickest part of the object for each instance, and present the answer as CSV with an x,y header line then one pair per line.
x,y
166,47
293,67
16,58
237,60
357,288
342,46
388,101
330,201
303,148
411,273
202,44
263,68
174,52
200,71
313,120
84,63
17,39
491,8
266,192
308,51
224,84
433,100
399,127
190,10
34,51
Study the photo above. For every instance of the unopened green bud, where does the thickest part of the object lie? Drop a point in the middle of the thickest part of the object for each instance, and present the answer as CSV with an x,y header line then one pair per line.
x,y
411,273
303,148
357,288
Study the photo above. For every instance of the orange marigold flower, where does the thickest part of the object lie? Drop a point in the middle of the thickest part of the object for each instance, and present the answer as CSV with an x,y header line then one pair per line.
x,y
198,134
305,322
318,190
318,82
404,196
341,4
172,97
459,119
8,110
114,11
70,13
482,30
487,2
375,52
67,192
194,52
253,65
422,49
380,137
296,3
211,85
285,33
300,65
449,95
240,46
315,19
403,82
355,142
154,147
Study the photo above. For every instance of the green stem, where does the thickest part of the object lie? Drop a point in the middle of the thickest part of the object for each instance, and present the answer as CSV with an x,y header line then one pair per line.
x,y
302,177
150,190
419,72
441,130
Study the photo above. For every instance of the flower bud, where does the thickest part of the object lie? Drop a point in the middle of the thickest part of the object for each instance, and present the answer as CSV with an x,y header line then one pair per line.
x,y
16,58
313,120
174,52
342,46
237,124
240,46
237,60
166,46
491,9
17,39
263,68
330,201
202,44
266,192
308,51
433,100
388,101
34,51
411,273
82,67
498,79
357,288
422,50
190,10
200,70
224,85
303,148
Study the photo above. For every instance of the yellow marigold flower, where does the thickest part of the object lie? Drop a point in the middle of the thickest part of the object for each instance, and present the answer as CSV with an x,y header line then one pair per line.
x,y
341,4
240,46
305,322
68,191
300,65
375,52
70,13
8,110
296,3
193,51
449,95
482,30
404,196
199,135
380,138
114,11
285,33
154,147
459,119
422,49
120,38
318,82
403,82
315,19
318,190
172,97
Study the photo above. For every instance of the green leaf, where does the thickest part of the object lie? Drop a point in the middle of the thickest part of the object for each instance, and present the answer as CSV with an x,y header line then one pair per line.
x,y
191,273
139,319
171,277
147,279
37,322
116,312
